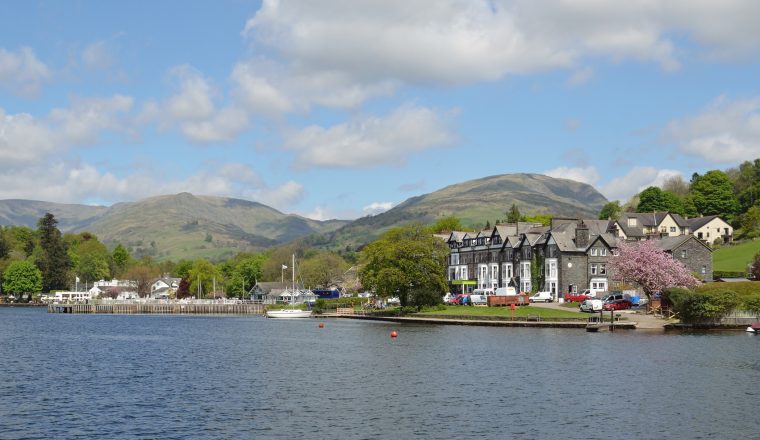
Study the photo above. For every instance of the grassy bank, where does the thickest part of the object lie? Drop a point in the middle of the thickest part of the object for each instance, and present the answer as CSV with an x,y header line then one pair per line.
x,y
505,312
735,258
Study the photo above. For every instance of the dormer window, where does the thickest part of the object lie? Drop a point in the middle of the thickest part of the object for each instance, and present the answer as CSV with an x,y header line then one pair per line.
x,y
631,222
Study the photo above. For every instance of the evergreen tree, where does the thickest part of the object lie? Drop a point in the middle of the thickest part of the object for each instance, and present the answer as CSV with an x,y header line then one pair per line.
x,y
120,259
52,260
513,215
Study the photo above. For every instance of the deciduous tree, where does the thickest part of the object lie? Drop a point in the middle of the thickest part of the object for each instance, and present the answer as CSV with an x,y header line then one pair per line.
x,y
202,276
120,259
650,267
22,277
407,261
143,275
611,211
713,194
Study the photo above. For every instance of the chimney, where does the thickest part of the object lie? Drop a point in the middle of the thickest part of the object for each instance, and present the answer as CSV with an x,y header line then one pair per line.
x,y
581,235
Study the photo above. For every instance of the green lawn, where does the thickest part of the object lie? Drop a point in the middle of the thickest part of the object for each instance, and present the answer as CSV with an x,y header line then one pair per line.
x,y
505,312
735,258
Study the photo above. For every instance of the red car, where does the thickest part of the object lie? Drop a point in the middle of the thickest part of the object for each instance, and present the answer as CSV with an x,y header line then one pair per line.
x,y
617,304
577,297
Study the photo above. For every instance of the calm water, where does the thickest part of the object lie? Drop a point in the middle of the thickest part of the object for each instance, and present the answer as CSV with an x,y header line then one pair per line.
x,y
85,376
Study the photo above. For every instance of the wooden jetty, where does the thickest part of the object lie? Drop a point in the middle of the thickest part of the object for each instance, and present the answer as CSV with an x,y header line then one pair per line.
x,y
172,308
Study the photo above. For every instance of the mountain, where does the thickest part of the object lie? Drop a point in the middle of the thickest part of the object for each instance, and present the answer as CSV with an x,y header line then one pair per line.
x,y
474,202
175,226
188,226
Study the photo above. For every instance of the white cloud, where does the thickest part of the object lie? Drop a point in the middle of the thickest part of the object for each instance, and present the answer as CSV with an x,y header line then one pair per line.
x,y
725,132
587,174
22,72
279,197
459,41
637,179
25,139
377,207
97,56
266,88
194,101
581,77
192,109
370,141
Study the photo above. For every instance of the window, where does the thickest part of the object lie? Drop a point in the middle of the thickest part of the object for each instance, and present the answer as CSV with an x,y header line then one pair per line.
x,y
464,273
506,272
683,253
603,252
594,252
632,221
454,259
598,269
704,270
672,229
525,269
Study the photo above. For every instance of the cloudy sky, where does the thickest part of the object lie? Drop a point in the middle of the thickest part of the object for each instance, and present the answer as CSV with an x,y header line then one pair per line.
x,y
337,109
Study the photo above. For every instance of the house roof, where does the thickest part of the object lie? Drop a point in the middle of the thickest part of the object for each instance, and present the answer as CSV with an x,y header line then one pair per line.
x,y
697,222
669,244
564,235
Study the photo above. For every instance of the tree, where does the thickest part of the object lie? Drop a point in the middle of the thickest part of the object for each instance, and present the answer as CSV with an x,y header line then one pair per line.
x,y
89,256
544,219
446,224
52,260
322,269
4,245
713,194
672,203
676,185
650,267
610,211
513,215
406,261
241,275
750,223
143,275
22,277
183,290
120,259
650,200
202,276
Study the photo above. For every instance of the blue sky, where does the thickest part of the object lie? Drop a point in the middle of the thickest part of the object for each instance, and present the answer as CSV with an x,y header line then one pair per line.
x,y
338,109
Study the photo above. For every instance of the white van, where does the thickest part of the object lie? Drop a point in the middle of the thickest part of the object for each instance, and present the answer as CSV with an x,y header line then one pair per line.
x,y
505,291
542,297
484,292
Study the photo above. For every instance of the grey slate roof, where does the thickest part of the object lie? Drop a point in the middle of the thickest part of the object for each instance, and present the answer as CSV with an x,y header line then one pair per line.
x,y
669,244
564,235
697,222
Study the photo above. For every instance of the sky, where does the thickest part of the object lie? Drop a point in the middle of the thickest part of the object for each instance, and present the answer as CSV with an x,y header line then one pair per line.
x,y
340,109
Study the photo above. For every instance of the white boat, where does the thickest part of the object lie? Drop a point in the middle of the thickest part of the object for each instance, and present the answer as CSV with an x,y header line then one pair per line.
x,y
290,312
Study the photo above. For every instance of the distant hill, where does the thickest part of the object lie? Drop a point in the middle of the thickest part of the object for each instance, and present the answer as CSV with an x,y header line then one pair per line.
x,y
175,226
189,226
475,202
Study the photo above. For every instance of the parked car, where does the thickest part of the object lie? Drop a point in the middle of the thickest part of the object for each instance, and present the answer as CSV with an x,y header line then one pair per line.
x,y
542,297
617,304
478,300
578,297
461,299
617,301
591,305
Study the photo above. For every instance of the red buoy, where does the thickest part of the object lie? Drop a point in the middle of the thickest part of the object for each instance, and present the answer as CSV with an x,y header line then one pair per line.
x,y
394,334
321,325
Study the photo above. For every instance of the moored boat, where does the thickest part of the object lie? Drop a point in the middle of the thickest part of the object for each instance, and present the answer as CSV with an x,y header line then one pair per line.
x,y
290,312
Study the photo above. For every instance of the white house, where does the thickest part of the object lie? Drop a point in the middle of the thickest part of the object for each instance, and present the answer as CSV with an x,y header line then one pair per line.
x,y
164,287
711,227
100,287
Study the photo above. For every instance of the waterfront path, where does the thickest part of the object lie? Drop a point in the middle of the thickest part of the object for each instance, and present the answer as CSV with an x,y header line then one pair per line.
x,y
622,325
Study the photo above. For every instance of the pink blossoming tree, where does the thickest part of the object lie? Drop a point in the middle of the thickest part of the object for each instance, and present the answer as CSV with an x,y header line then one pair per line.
x,y
650,267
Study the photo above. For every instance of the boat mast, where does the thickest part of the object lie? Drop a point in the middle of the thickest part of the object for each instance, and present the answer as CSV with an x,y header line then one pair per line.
x,y
293,292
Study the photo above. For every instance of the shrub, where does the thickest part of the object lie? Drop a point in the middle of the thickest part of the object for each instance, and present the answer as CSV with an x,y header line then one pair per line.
x,y
751,303
696,307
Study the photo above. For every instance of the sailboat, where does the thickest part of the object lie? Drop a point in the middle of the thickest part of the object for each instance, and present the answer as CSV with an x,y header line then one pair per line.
x,y
290,312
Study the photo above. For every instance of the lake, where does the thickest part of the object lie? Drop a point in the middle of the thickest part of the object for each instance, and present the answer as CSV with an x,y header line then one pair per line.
x,y
177,377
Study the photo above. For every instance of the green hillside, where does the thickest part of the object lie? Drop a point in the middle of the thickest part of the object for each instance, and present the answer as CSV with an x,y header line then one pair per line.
x,y
178,226
735,258
475,202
